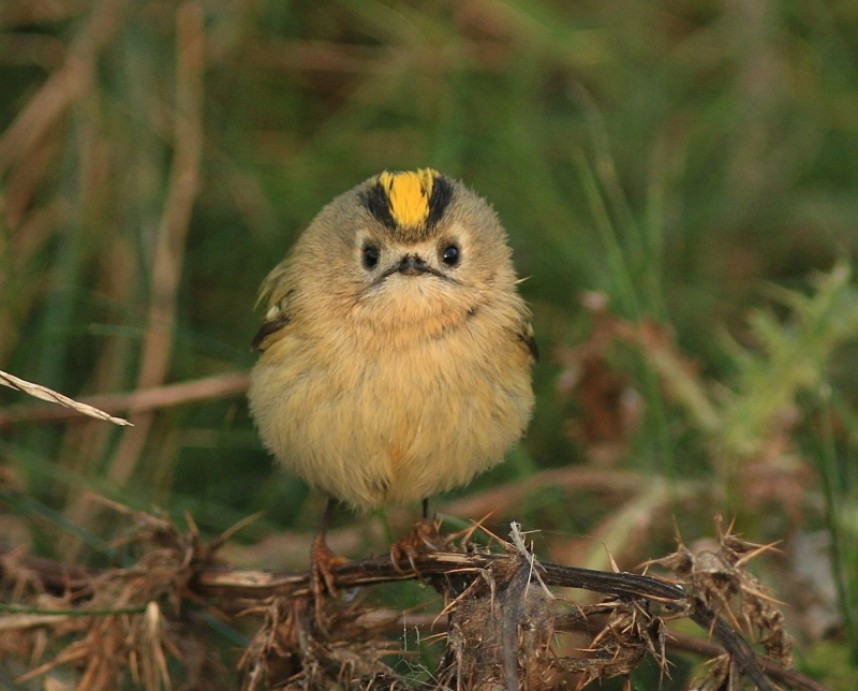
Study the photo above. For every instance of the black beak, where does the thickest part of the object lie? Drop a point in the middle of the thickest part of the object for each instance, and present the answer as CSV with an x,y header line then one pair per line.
x,y
412,265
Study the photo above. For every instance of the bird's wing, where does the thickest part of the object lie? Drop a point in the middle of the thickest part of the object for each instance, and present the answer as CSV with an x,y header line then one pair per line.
x,y
525,335
277,291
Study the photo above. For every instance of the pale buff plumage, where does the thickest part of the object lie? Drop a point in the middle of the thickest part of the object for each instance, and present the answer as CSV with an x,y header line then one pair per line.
x,y
383,386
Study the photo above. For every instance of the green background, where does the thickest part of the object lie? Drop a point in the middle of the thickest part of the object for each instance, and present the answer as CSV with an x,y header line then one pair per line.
x,y
688,167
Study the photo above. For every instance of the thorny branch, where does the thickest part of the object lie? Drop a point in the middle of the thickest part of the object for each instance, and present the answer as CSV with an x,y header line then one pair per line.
x,y
502,615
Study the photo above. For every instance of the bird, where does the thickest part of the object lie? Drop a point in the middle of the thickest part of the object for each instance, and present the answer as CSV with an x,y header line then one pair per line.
x,y
395,352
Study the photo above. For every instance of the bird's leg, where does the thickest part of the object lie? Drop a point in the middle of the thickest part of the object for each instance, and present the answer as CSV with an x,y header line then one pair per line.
x,y
322,561
424,537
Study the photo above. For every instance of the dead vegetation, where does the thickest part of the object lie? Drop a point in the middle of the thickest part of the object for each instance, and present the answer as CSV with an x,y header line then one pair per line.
x,y
503,619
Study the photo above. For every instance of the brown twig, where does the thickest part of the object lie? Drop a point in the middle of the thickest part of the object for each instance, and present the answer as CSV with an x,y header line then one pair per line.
x,y
255,585
500,502
239,590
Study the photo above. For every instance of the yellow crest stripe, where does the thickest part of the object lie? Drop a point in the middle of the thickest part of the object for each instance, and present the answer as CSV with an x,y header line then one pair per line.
x,y
408,194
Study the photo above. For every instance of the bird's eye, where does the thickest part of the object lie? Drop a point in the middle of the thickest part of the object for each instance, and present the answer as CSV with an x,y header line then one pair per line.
x,y
451,254
369,257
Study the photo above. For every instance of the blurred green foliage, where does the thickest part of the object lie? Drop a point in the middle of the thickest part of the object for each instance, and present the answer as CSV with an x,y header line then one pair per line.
x,y
679,157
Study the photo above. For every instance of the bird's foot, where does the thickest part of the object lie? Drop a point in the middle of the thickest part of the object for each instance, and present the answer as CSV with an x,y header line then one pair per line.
x,y
322,581
424,537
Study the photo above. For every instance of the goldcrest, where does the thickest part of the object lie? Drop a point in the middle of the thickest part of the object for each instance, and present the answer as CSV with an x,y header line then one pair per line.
x,y
395,352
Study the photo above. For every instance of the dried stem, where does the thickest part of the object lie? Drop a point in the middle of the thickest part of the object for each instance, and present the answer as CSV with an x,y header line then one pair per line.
x,y
242,591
